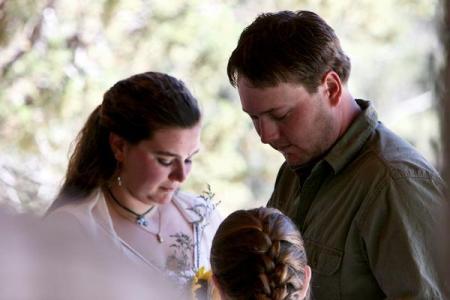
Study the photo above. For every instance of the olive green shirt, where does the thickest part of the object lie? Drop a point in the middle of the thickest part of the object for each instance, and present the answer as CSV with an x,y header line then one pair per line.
x,y
368,213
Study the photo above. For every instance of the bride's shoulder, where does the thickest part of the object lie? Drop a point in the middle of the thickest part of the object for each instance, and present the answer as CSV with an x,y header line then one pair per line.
x,y
197,208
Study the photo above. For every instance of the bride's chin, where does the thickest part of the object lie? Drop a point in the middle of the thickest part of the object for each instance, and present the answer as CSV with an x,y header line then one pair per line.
x,y
160,199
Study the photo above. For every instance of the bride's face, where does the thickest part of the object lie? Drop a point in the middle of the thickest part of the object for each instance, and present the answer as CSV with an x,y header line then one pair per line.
x,y
153,169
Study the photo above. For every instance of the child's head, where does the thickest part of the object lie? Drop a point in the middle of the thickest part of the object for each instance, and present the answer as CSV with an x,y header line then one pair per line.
x,y
259,254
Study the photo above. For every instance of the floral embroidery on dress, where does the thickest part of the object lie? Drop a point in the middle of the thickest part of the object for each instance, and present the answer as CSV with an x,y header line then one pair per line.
x,y
179,264
205,209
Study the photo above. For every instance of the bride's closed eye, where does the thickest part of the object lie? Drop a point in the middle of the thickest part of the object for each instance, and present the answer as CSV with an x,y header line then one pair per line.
x,y
165,161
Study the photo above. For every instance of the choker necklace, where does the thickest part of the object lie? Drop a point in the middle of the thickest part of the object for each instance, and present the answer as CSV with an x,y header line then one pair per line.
x,y
140,218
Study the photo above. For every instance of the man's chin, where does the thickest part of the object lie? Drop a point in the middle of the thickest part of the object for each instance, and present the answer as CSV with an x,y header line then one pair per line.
x,y
293,160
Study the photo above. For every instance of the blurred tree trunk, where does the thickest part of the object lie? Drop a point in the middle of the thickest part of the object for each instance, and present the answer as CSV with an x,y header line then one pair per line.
x,y
443,93
443,90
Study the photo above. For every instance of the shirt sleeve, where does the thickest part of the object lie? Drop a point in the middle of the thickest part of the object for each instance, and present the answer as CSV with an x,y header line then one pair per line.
x,y
400,231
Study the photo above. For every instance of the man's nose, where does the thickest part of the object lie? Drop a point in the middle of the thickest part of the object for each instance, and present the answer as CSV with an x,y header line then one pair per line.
x,y
267,130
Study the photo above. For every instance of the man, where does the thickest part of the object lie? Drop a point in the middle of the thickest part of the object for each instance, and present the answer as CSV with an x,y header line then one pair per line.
x,y
365,201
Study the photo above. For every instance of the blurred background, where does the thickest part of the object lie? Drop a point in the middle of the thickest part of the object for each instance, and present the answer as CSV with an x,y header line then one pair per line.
x,y
58,57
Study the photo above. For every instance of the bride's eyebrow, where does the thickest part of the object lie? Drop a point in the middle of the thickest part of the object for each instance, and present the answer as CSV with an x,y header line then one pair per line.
x,y
193,153
168,153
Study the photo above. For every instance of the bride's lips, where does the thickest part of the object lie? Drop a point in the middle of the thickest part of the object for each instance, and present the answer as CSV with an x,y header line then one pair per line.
x,y
168,188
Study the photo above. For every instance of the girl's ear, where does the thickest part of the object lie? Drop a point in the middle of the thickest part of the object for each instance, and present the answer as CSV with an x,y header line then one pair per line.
x,y
217,293
304,291
117,144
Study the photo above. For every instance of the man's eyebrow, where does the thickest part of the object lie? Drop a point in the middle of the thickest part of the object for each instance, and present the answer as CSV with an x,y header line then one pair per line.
x,y
263,112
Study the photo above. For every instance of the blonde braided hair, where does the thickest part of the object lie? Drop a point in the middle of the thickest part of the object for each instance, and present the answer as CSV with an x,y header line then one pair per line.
x,y
258,254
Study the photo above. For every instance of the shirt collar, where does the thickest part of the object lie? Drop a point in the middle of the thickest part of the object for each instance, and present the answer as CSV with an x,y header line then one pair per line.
x,y
354,138
194,209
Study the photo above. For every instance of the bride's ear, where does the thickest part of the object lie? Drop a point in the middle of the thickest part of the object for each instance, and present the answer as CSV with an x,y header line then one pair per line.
x,y
117,145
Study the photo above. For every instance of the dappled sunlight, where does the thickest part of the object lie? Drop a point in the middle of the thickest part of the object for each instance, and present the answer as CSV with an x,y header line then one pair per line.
x,y
59,56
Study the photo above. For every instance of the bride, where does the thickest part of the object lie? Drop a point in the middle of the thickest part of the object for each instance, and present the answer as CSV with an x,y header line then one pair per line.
x,y
122,185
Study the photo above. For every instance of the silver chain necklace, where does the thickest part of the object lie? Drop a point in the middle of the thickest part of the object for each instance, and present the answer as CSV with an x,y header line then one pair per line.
x,y
140,218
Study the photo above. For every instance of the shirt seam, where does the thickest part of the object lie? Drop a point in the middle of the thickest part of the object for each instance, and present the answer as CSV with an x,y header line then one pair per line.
x,y
392,175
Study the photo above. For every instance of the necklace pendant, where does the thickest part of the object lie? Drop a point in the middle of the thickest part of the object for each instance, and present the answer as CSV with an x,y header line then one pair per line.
x,y
142,221
159,238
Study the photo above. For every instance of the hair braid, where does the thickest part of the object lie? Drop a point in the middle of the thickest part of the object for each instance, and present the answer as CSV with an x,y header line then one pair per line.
x,y
261,242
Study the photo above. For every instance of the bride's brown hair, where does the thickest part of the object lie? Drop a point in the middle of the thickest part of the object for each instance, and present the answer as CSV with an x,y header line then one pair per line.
x,y
259,254
133,108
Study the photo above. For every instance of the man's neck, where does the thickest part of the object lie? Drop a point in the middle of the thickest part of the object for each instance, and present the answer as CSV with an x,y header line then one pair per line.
x,y
350,110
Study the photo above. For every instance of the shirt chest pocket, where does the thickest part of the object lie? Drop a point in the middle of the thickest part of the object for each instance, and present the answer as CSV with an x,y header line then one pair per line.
x,y
325,263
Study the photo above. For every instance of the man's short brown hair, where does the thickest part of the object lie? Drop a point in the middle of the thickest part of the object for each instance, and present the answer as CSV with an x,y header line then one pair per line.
x,y
288,47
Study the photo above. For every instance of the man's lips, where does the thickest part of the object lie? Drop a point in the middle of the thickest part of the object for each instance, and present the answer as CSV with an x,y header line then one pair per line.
x,y
281,148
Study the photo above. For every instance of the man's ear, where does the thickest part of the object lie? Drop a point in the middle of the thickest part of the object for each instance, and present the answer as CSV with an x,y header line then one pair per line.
x,y
117,144
333,87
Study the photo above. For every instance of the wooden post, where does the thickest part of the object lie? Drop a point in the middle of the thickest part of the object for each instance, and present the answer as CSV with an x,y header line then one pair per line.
x,y
443,94
443,89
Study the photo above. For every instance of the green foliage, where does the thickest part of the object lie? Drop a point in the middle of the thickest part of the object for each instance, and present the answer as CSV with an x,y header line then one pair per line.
x,y
59,56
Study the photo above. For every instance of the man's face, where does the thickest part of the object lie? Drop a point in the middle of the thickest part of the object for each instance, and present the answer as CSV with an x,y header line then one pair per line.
x,y
298,124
